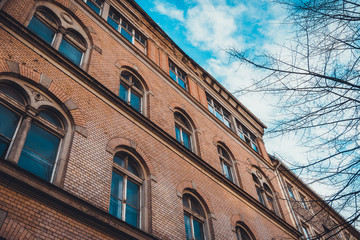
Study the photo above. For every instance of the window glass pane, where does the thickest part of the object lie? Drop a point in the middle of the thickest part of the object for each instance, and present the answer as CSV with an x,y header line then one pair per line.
x,y
227,172
177,132
270,202
291,193
132,194
260,196
172,75
51,118
70,51
42,30
218,115
243,235
132,168
131,216
8,122
123,94
119,159
254,146
187,227
135,102
211,109
117,185
39,152
113,23
93,6
12,93
186,140
182,83
227,123
115,207
127,35
198,230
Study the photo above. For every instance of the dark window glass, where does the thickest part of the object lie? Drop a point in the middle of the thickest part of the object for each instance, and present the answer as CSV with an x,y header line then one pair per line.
x,y
8,123
242,234
123,92
131,215
116,195
135,102
12,93
178,135
39,152
119,159
42,30
51,118
132,168
140,37
70,51
198,230
258,191
186,140
187,227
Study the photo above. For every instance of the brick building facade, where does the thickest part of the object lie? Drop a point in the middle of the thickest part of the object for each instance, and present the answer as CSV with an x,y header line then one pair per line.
x,y
108,130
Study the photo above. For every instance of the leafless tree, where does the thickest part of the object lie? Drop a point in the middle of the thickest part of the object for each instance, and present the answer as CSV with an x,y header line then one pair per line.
x,y
316,76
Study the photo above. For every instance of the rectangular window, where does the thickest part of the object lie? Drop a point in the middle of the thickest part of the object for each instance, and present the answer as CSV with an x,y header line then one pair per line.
x,y
291,192
124,27
114,18
221,113
95,5
177,75
306,233
303,201
247,136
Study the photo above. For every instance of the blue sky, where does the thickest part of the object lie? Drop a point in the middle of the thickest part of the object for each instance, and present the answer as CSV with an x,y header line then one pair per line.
x,y
204,28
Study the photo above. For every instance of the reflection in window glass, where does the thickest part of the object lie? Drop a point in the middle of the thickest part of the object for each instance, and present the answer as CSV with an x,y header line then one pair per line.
x,y
8,124
39,152
42,30
70,51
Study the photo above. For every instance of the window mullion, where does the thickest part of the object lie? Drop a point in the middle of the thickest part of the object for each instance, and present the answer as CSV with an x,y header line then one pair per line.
x,y
124,198
19,139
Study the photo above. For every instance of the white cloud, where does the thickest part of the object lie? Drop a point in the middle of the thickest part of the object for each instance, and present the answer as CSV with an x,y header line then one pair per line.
x,y
169,10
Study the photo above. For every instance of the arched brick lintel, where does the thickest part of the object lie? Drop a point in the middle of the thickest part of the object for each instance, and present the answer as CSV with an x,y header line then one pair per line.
x,y
182,186
13,230
117,142
8,66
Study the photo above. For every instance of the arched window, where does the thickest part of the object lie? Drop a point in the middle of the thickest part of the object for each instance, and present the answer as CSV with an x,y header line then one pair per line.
x,y
183,131
126,183
264,192
195,218
243,234
226,163
131,90
57,33
30,135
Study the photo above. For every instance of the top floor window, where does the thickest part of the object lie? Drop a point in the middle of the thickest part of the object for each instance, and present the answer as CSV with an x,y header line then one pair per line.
x,y
221,113
303,201
178,75
291,192
59,34
306,232
124,27
95,5
247,136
